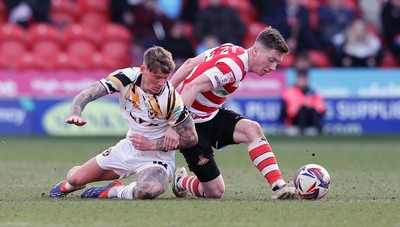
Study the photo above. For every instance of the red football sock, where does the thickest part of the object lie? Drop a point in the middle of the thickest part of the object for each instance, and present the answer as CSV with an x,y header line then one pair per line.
x,y
264,159
193,185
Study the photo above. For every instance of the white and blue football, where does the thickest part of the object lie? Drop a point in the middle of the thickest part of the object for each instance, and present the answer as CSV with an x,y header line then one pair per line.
x,y
312,182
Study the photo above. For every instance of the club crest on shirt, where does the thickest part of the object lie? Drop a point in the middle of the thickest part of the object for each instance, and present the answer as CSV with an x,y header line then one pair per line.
x,y
106,152
202,160
151,113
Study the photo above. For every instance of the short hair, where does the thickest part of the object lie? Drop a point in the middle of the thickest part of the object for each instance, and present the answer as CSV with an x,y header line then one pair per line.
x,y
271,38
157,57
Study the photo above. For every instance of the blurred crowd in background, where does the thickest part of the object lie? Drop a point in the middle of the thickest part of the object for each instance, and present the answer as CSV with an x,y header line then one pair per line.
x,y
110,34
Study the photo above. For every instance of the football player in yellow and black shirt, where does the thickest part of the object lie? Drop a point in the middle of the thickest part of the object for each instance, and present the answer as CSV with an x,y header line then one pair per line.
x,y
149,104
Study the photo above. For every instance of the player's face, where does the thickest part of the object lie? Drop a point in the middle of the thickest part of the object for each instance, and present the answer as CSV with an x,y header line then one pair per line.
x,y
153,81
265,61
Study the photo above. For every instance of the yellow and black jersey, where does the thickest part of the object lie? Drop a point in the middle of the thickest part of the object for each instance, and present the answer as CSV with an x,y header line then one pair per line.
x,y
146,114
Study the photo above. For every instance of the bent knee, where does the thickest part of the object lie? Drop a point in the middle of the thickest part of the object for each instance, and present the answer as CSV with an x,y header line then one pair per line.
x,y
73,177
216,193
253,127
252,131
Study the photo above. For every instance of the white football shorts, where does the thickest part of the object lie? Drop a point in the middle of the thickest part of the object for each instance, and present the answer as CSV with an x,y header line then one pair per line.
x,y
125,160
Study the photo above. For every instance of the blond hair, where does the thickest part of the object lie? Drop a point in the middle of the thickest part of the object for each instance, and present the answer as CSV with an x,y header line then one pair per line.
x,y
157,57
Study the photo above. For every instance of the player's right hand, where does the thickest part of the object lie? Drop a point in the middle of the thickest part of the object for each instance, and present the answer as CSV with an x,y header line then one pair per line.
x,y
171,139
76,120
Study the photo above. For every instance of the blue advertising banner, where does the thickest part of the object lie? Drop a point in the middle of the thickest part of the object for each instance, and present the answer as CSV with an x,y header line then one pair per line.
x,y
354,83
47,116
352,116
16,116
358,101
103,118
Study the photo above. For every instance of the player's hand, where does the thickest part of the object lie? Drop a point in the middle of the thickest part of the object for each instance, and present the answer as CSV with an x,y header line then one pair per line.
x,y
141,143
76,120
171,139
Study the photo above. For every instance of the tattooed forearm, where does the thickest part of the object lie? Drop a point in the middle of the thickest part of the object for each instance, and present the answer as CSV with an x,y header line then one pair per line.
x,y
94,92
187,132
160,144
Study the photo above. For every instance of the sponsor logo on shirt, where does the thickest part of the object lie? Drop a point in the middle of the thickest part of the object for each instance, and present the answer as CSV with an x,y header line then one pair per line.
x,y
227,78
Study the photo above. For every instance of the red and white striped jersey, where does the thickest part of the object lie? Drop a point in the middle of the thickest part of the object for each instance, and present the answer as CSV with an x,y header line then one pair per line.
x,y
146,114
226,66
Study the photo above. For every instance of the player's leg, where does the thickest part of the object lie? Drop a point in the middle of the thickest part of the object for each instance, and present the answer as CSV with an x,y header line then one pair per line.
x,y
79,176
152,177
150,183
197,186
207,181
250,132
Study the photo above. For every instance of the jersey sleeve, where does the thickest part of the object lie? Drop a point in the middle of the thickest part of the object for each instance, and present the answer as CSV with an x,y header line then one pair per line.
x,y
176,112
220,75
118,79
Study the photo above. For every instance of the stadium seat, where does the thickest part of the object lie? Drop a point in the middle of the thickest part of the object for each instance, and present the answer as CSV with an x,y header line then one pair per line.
x,y
63,12
388,60
319,59
79,32
80,41
3,12
310,4
67,62
31,62
252,31
202,4
115,32
80,50
287,61
98,5
117,51
93,19
44,31
94,13
116,44
245,9
46,40
13,42
99,61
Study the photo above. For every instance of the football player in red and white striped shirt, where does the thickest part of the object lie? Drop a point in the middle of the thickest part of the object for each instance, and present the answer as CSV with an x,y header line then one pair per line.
x,y
206,81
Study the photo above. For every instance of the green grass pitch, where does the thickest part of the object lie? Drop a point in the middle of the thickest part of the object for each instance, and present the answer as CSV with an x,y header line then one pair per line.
x,y
365,189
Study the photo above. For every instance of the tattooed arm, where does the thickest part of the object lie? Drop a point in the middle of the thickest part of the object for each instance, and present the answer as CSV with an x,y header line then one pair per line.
x,y
187,133
185,130
95,91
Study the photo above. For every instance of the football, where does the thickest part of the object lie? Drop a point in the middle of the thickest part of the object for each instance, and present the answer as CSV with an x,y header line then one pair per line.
x,y
312,182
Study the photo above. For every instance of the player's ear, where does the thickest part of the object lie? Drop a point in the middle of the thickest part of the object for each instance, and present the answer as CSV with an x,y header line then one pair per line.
x,y
142,68
254,50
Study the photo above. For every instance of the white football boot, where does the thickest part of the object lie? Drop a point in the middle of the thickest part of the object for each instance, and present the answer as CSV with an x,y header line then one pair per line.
x,y
286,192
180,173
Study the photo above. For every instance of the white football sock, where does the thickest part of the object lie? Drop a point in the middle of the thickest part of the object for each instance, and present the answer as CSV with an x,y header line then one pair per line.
x,y
123,192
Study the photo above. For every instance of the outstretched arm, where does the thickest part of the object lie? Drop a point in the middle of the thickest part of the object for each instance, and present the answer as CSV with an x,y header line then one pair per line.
x,y
185,69
201,84
95,91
